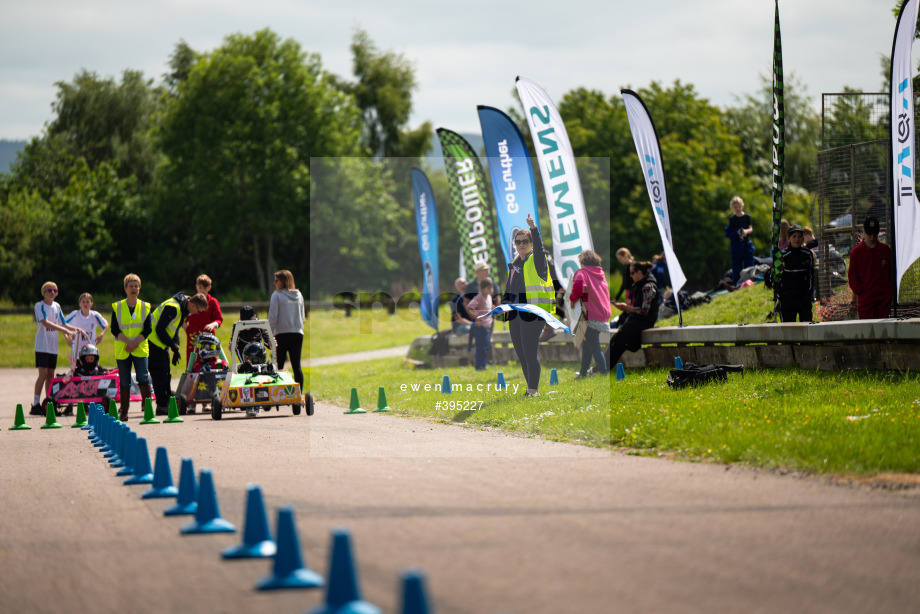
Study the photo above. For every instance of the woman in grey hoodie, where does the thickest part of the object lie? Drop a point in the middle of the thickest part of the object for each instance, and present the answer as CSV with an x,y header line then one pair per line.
x,y
286,318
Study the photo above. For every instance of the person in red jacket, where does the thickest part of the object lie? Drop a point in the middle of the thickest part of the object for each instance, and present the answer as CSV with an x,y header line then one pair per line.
x,y
206,321
870,274
589,285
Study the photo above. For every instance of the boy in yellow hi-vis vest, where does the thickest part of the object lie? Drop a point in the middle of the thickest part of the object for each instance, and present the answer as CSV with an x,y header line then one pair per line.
x,y
131,328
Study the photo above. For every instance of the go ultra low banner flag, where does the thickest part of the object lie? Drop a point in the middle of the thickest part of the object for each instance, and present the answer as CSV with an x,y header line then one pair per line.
x,y
649,150
779,146
568,220
426,222
906,206
512,176
469,196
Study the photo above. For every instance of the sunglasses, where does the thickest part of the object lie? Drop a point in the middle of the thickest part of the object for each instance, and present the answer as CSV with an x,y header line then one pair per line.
x,y
521,241
51,290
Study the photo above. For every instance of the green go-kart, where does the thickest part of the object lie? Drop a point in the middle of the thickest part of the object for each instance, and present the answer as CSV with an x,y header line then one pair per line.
x,y
257,386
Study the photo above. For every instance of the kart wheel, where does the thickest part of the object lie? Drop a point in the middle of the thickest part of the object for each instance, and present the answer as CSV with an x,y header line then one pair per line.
x,y
296,409
309,404
217,410
182,402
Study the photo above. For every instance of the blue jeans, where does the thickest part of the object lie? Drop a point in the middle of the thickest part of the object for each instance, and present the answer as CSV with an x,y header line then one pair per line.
x,y
591,348
481,334
124,370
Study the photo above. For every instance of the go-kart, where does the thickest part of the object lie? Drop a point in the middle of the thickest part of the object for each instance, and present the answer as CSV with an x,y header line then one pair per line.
x,y
199,387
66,389
262,386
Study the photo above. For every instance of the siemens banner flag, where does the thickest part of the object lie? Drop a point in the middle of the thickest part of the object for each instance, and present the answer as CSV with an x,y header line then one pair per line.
x,y
649,150
426,222
906,219
512,176
568,221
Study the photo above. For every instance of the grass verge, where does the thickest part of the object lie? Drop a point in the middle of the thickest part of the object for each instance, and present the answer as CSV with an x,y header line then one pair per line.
x,y
854,423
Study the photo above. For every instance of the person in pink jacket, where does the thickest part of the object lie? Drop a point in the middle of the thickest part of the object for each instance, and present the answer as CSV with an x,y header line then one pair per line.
x,y
589,286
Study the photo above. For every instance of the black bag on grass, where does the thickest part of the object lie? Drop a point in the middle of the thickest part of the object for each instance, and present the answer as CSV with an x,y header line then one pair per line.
x,y
692,375
440,343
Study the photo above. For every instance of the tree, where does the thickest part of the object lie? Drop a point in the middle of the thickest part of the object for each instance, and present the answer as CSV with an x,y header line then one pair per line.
x,y
238,137
383,92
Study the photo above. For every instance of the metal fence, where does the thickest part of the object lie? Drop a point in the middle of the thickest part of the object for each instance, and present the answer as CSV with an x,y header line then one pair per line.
x,y
853,181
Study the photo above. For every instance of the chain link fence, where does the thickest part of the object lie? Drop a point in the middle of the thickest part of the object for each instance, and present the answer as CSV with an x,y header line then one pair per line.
x,y
853,182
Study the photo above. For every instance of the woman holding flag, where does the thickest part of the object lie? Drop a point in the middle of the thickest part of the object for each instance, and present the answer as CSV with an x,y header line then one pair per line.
x,y
529,281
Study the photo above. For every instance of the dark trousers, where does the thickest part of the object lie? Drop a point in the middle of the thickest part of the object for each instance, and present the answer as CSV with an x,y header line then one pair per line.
x,y
789,311
591,348
289,346
158,367
627,337
742,258
525,337
481,335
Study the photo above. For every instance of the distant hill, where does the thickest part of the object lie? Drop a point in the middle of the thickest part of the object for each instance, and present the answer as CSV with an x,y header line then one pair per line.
x,y
8,151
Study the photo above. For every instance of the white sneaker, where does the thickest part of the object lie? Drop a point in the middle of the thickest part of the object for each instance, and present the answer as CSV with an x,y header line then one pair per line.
x,y
252,411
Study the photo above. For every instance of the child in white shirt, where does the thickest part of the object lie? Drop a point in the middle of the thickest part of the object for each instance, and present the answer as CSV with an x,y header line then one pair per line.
x,y
88,320
50,321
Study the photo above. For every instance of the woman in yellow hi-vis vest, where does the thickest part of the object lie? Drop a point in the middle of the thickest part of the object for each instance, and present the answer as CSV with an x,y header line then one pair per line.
x,y
131,328
529,281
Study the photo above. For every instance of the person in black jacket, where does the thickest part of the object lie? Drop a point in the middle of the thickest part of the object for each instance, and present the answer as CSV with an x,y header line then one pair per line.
x,y
640,315
796,287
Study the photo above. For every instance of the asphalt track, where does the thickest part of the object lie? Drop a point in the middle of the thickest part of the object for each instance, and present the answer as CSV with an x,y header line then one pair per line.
x,y
499,523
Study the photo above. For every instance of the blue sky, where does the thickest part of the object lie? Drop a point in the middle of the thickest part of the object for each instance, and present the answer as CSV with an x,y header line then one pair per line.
x,y
465,53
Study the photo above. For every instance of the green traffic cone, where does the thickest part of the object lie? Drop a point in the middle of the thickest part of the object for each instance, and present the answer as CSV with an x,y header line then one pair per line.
x,y
51,418
173,411
355,407
113,409
20,423
382,400
81,416
149,417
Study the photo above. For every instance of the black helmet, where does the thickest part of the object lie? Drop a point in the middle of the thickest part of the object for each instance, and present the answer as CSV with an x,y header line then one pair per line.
x,y
209,346
89,350
254,353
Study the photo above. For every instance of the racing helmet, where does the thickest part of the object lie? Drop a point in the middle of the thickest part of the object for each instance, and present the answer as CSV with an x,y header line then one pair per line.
x,y
85,352
254,353
208,346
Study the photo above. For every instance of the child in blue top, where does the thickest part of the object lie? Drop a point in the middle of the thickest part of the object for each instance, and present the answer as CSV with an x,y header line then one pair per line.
x,y
50,321
738,230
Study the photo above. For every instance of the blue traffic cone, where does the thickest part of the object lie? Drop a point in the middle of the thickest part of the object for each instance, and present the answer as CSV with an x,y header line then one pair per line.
x,y
114,438
90,417
187,501
143,472
553,378
130,445
343,596
93,434
288,570
678,363
257,540
207,516
445,385
501,385
621,372
414,598
121,436
162,478
102,435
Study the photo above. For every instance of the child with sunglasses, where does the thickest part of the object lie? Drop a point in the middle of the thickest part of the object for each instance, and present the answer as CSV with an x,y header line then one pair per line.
x,y
50,321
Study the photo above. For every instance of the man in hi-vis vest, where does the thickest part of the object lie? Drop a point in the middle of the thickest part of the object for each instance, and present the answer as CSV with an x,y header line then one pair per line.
x,y
131,329
165,322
